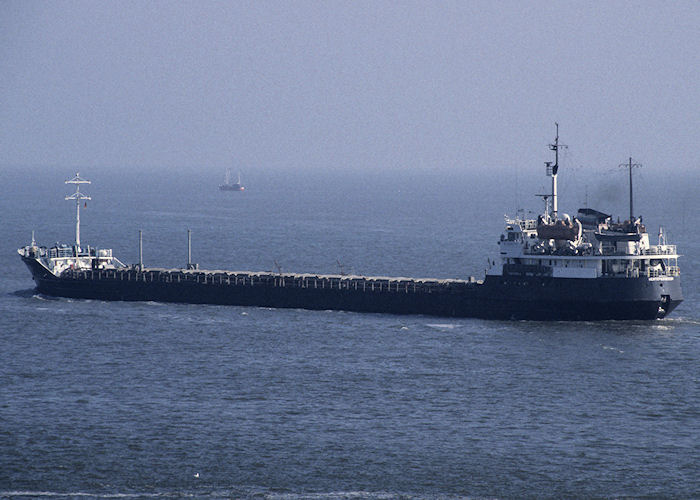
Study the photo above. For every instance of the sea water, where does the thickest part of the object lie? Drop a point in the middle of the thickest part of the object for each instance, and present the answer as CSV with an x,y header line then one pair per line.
x,y
114,399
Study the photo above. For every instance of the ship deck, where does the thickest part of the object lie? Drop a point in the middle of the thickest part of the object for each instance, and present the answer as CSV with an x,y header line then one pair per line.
x,y
276,280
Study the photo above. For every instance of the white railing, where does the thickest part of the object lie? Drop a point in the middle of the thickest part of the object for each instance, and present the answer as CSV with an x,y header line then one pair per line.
x,y
60,252
523,223
660,250
670,271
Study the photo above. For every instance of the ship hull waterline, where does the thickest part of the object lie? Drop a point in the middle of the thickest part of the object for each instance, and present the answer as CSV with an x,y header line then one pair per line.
x,y
497,297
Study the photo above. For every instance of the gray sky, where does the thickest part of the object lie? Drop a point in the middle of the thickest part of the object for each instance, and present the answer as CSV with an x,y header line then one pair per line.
x,y
424,86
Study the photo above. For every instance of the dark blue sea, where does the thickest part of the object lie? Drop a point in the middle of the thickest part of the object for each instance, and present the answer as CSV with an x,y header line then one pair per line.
x,y
152,400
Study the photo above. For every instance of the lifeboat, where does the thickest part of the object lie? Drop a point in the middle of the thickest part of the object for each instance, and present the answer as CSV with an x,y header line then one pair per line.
x,y
559,230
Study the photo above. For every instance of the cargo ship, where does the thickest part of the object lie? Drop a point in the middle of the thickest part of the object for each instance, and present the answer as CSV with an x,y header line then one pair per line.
x,y
553,267
231,186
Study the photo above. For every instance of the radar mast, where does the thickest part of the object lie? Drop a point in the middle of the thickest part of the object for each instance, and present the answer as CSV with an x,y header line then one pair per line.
x,y
553,169
630,166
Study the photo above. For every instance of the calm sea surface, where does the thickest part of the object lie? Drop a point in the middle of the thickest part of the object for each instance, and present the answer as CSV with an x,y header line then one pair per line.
x,y
160,400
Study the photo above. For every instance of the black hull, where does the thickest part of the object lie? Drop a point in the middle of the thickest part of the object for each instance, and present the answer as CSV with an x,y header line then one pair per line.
x,y
531,298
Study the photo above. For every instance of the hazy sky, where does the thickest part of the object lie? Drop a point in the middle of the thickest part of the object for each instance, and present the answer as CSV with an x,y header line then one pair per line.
x,y
379,85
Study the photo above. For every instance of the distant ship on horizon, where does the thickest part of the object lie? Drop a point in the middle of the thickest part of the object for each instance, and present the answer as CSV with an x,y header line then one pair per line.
x,y
228,185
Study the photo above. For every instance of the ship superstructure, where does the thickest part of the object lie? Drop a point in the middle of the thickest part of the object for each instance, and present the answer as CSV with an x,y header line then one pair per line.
x,y
552,267
589,246
54,261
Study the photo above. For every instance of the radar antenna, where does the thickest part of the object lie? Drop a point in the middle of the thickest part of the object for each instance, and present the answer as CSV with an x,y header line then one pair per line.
x,y
78,197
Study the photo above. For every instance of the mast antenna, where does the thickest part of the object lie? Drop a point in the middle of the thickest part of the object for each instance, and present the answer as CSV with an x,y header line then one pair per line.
x,y
341,267
78,197
629,165
553,169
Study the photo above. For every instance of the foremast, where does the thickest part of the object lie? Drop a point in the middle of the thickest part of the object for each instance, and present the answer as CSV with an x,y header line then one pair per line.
x,y
78,197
